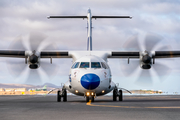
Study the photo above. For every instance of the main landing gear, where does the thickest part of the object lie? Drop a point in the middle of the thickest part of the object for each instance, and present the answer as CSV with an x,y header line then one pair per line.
x,y
117,93
62,94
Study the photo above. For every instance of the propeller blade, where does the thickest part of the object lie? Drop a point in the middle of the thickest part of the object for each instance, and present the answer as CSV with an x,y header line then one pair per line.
x,y
33,77
50,69
17,44
151,40
161,70
48,46
144,78
128,69
132,43
165,48
16,66
35,39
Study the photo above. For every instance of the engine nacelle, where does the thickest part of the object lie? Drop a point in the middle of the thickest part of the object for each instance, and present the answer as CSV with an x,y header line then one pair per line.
x,y
145,60
33,59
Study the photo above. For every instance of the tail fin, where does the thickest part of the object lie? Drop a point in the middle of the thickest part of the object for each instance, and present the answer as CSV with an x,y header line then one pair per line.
x,y
89,24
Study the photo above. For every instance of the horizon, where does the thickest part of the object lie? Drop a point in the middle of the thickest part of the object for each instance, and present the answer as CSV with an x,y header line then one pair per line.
x,y
19,18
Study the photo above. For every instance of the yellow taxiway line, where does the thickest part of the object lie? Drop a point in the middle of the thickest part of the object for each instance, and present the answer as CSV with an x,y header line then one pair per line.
x,y
170,107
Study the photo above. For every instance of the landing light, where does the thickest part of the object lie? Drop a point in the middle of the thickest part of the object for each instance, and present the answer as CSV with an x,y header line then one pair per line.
x,y
87,93
103,91
92,93
76,91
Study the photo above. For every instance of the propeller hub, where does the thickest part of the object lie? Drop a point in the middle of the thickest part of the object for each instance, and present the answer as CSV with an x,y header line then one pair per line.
x,y
146,59
33,59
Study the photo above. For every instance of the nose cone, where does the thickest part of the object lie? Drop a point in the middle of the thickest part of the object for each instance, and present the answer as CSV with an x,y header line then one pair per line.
x,y
90,81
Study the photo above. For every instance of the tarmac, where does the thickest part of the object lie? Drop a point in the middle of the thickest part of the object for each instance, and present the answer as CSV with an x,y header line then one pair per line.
x,y
133,107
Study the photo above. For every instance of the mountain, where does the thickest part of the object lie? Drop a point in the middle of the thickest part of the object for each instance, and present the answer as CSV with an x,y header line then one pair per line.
x,y
49,86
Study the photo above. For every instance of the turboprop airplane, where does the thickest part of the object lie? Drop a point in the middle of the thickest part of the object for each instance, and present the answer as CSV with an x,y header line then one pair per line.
x,y
90,75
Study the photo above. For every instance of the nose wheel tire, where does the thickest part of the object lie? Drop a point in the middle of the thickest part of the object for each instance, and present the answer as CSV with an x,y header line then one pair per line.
x,y
87,98
92,98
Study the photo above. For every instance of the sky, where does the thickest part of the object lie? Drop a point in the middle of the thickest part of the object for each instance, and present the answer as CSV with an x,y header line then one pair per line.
x,y
159,18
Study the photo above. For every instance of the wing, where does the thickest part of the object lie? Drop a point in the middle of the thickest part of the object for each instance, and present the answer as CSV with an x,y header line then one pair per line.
x,y
121,54
113,54
11,53
55,54
43,54
136,54
166,54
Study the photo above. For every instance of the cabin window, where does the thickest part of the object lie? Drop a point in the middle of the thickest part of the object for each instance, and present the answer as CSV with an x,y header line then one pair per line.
x,y
103,65
95,65
84,65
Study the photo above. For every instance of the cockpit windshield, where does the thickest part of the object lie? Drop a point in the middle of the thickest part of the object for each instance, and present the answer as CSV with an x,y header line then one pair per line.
x,y
90,65
95,65
84,65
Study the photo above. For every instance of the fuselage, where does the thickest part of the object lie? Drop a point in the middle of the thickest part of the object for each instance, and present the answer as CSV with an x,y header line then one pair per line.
x,y
90,75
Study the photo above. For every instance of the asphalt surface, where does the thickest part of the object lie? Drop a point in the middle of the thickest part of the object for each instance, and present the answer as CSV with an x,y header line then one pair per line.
x,y
39,107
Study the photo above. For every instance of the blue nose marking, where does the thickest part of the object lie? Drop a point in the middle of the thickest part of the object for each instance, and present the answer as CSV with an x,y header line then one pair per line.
x,y
90,81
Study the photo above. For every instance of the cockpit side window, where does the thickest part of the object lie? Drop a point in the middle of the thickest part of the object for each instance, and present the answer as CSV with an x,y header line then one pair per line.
x,y
77,64
73,65
103,65
95,65
106,65
84,65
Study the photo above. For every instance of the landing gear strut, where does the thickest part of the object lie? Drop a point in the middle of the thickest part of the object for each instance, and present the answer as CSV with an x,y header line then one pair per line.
x,y
116,94
63,94
88,98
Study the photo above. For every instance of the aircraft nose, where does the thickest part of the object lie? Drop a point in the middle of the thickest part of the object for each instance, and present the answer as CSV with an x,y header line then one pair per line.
x,y
90,81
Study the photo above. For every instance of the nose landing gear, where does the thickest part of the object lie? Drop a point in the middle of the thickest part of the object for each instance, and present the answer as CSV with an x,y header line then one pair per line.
x,y
63,94
88,98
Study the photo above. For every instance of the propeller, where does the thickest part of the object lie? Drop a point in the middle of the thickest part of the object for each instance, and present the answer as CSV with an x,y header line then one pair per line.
x,y
33,42
150,42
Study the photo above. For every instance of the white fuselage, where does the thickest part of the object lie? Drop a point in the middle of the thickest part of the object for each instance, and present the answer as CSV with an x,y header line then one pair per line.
x,y
94,78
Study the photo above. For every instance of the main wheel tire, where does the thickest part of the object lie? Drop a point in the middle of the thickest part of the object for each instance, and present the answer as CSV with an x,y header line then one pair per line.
x,y
114,95
58,96
65,96
92,98
87,98
120,95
